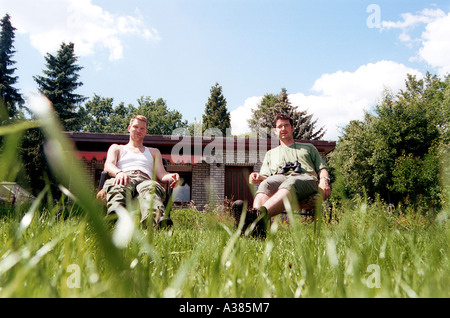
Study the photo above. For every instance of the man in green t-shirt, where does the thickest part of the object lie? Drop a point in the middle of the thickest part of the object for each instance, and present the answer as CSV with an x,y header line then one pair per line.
x,y
290,169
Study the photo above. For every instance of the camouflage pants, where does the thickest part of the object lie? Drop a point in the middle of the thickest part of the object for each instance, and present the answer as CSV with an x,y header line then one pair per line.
x,y
149,193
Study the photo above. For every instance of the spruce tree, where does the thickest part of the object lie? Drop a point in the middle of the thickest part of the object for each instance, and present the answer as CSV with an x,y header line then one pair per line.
x,y
59,85
10,95
216,113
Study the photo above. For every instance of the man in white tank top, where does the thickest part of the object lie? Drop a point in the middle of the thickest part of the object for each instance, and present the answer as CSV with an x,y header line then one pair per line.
x,y
133,167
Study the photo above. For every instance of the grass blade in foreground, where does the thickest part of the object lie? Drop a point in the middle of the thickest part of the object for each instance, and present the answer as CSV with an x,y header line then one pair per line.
x,y
59,152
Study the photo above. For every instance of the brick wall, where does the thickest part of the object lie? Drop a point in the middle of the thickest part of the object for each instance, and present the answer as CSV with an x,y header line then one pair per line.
x,y
200,182
216,191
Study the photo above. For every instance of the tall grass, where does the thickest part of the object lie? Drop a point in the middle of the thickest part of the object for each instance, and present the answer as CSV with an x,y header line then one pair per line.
x,y
203,257
69,250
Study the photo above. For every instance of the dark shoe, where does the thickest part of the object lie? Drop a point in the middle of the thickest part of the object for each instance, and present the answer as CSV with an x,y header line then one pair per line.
x,y
262,223
236,210
256,221
164,222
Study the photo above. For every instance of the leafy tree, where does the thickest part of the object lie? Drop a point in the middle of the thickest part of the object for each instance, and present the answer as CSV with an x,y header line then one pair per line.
x,y
271,105
101,116
216,114
10,95
161,120
396,152
59,84
120,118
350,171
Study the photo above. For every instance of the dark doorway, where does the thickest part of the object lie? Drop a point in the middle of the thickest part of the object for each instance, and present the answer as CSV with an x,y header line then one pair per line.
x,y
236,184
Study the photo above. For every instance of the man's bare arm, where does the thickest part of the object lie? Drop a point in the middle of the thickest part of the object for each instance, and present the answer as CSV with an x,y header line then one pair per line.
x,y
111,160
161,173
111,168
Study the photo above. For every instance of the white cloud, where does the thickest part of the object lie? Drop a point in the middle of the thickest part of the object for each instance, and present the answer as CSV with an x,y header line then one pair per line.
x,y
240,116
433,41
339,97
410,20
435,48
51,22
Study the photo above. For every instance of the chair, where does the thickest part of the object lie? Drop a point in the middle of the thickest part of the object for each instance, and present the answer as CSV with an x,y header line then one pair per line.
x,y
308,207
164,221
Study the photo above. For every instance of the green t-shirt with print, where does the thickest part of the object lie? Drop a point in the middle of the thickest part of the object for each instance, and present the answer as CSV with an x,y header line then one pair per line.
x,y
306,154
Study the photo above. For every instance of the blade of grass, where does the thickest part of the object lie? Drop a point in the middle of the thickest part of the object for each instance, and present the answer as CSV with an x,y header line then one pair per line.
x,y
60,155
28,217
179,280
18,127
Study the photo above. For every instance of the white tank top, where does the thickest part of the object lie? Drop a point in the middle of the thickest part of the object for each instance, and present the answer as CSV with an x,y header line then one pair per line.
x,y
136,161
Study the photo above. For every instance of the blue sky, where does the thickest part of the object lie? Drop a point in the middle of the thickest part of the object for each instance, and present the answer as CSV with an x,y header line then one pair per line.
x,y
333,57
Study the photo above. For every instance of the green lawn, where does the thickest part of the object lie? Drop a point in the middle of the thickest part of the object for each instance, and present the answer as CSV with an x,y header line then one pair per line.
x,y
365,252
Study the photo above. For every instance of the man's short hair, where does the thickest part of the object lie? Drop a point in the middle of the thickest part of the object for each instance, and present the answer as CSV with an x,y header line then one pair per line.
x,y
141,118
283,117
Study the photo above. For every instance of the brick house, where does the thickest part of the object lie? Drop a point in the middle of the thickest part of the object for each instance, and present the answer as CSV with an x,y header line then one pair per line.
x,y
213,169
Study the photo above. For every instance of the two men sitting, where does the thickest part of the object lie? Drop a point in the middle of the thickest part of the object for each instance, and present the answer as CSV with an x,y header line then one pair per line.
x,y
290,170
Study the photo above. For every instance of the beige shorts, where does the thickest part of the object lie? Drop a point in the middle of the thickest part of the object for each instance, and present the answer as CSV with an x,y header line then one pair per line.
x,y
302,184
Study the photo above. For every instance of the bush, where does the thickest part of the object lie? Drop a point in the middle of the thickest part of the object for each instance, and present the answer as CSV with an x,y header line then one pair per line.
x,y
397,151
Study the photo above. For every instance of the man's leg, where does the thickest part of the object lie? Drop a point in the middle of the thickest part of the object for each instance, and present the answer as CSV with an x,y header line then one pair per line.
x,y
151,195
260,199
266,189
275,204
258,213
116,195
295,187
269,196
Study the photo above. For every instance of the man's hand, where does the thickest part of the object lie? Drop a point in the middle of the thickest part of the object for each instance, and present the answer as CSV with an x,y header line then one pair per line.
x,y
121,178
173,179
325,188
255,178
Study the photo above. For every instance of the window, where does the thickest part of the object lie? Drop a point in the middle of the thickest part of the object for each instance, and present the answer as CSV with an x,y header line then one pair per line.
x,y
184,190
